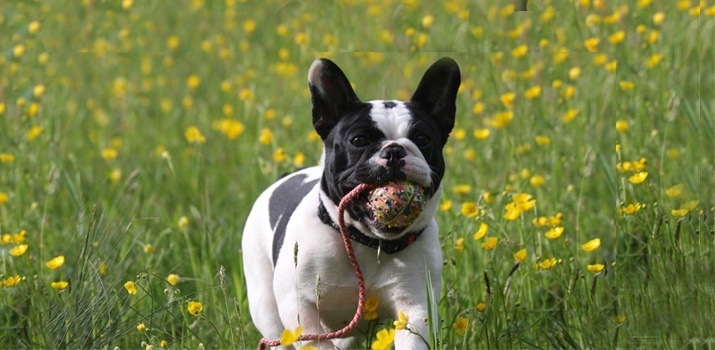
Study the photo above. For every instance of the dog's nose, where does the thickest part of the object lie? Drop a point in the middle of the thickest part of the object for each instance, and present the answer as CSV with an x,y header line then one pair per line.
x,y
393,155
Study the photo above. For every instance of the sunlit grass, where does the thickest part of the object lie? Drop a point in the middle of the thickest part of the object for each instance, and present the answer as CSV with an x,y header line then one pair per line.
x,y
135,135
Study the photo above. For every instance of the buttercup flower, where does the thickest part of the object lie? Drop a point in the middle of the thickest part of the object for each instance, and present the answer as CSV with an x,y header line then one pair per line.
x,y
520,255
592,245
131,287
490,243
595,268
59,286
638,178
288,337
482,231
18,250
384,340
481,307
370,310
195,308
56,262
173,279
401,322
554,233
460,325
141,327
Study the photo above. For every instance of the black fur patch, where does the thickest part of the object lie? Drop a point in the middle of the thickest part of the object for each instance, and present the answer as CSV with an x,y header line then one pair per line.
x,y
282,204
389,104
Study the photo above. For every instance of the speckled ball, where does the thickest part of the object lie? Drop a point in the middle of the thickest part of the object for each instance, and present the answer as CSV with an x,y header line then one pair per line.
x,y
397,204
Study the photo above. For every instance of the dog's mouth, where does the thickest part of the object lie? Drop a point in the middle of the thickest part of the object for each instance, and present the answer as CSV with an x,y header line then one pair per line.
x,y
385,221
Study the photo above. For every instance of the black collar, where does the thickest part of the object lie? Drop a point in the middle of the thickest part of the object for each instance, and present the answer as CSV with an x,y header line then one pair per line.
x,y
388,246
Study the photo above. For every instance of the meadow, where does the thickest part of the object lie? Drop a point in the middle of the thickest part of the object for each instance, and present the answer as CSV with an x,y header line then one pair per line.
x,y
579,201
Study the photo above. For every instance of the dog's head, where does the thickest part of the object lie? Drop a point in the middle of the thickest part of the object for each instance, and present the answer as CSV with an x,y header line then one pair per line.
x,y
379,141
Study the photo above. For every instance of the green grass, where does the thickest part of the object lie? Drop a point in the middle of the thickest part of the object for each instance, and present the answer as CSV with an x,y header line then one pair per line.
x,y
112,80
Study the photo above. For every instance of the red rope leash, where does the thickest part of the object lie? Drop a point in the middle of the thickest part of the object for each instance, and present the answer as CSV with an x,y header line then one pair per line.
x,y
358,274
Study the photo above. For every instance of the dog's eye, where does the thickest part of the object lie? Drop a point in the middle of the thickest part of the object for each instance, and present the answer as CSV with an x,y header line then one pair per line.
x,y
359,141
422,140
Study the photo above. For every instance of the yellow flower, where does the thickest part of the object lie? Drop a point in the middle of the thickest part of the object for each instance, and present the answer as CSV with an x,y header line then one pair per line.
x,y
570,115
109,153
638,178
617,37
38,90
384,340
56,262
115,175
193,135
481,134
173,42
59,286
34,132
279,155
427,21
490,243
266,136
470,209
482,231
249,26
533,92
173,279
675,191
611,66
288,337
18,50
183,223
163,343
6,158
654,59
691,205
193,81
460,325
658,18
33,27
626,85
618,319
459,245
630,209
131,287
679,213
18,250
141,327
546,264
501,119
481,307
401,322
591,44
446,205
195,308
554,233
508,99
621,125
592,245
11,281
537,181
370,308
519,256
595,268
4,198
520,51
478,108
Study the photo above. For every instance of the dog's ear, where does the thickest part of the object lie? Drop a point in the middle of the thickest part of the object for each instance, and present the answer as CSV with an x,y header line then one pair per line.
x,y
331,94
437,92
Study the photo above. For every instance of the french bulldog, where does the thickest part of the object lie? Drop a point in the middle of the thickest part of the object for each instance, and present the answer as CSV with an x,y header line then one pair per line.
x,y
295,263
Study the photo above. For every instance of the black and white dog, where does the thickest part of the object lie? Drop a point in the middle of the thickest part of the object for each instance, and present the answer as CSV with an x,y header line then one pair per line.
x,y
297,270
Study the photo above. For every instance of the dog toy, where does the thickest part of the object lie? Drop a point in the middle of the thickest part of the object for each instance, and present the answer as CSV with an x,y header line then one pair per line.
x,y
397,204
